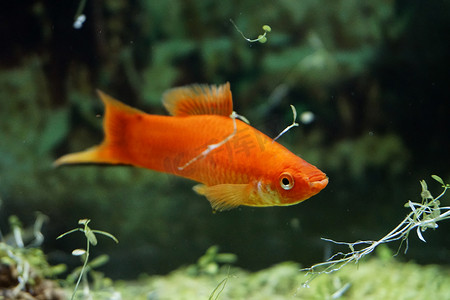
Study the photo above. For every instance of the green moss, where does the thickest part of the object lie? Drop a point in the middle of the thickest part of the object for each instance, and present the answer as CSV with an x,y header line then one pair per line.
x,y
373,279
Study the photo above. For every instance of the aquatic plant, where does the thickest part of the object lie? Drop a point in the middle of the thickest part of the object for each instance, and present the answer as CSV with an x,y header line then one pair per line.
x,y
261,38
423,215
294,124
209,262
23,266
79,16
219,288
91,239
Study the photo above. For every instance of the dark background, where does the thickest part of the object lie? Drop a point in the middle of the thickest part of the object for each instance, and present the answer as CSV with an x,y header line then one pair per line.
x,y
375,75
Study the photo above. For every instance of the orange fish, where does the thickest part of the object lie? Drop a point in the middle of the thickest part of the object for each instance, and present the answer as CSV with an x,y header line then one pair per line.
x,y
204,141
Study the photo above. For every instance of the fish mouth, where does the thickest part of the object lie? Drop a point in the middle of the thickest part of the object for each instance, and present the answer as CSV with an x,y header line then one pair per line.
x,y
317,176
318,183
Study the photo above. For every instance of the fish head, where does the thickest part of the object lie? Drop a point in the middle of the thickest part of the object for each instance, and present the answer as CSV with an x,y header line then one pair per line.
x,y
298,181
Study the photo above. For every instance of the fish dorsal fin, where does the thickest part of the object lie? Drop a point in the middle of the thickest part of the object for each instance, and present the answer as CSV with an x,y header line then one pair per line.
x,y
224,196
199,99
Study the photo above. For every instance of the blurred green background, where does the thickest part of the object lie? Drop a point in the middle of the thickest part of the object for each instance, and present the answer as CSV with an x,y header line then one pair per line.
x,y
375,74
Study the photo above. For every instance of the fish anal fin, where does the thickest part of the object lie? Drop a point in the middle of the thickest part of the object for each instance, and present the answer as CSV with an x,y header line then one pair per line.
x,y
199,99
224,196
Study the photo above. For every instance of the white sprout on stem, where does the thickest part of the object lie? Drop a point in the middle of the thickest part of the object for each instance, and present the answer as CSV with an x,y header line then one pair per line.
x,y
261,38
294,124
90,239
79,17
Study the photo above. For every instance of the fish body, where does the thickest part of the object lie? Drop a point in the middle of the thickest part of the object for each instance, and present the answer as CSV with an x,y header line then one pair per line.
x,y
235,163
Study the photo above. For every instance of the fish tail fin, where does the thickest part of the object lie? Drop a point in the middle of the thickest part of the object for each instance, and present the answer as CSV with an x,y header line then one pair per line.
x,y
114,125
91,155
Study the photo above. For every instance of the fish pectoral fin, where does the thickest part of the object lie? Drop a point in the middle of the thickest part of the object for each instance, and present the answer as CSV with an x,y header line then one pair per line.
x,y
224,196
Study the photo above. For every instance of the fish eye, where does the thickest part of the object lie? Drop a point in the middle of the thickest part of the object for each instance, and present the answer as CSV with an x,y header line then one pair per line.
x,y
286,181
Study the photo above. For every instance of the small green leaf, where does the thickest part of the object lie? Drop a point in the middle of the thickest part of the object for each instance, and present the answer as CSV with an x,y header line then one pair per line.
x,y
262,39
213,250
267,28
425,193
58,269
78,252
351,247
204,261
211,268
107,234
99,261
438,179
424,185
91,236
14,221
226,258
83,221
68,232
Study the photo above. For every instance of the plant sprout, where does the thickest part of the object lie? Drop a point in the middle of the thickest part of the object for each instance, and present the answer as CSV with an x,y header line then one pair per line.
x,y
294,113
221,285
423,215
261,38
91,239
79,16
